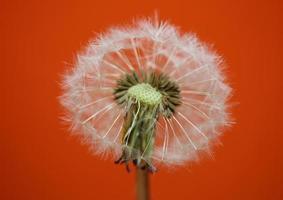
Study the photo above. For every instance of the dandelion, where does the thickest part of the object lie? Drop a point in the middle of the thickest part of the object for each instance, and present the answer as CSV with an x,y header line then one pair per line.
x,y
147,94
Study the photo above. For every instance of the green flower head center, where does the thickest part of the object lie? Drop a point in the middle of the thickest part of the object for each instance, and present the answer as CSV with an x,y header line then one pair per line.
x,y
145,93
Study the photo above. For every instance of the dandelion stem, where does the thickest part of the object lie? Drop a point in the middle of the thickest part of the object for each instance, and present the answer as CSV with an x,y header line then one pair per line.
x,y
142,184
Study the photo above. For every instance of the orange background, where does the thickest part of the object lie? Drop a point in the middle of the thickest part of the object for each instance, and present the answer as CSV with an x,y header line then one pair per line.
x,y
40,160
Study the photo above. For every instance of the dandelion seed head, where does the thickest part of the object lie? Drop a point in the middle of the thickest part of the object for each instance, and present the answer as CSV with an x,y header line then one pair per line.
x,y
147,94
